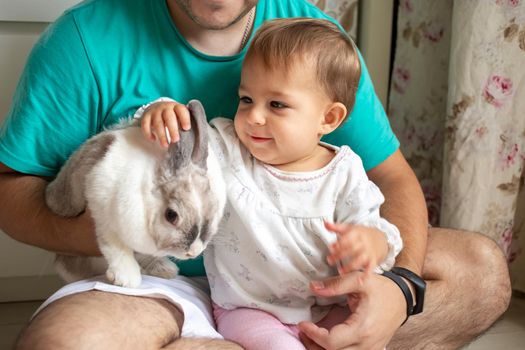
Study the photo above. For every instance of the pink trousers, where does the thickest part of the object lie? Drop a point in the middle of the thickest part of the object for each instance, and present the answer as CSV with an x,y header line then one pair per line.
x,y
258,330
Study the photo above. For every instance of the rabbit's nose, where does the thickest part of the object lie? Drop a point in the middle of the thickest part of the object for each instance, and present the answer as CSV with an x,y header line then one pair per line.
x,y
195,249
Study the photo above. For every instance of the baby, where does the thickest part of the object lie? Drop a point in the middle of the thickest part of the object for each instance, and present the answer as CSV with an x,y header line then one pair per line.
x,y
298,209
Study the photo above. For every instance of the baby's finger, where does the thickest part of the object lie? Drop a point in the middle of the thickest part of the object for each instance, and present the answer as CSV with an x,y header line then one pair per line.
x,y
145,126
360,262
159,129
343,249
337,228
170,122
183,115
337,255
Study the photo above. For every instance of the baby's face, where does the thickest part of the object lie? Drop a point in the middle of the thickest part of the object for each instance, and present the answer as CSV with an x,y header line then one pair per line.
x,y
280,113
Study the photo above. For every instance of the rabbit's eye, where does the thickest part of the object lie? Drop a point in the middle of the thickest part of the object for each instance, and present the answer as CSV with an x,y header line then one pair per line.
x,y
171,216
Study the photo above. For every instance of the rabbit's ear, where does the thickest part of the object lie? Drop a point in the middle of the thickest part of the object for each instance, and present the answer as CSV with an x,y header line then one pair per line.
x,y
200,127
193,144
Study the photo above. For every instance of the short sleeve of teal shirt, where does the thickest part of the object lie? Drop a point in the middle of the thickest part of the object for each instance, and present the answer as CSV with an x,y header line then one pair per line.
x,y
55,107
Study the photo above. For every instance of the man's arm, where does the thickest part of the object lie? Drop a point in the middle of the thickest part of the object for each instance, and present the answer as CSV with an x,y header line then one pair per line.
x,y
25,217
404,207
457,263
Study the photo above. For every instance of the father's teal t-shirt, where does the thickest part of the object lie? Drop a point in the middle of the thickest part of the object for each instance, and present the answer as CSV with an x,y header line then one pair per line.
x,y
103,59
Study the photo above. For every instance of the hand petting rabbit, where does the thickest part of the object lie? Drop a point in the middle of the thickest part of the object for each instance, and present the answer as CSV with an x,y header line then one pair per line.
x,y
147,202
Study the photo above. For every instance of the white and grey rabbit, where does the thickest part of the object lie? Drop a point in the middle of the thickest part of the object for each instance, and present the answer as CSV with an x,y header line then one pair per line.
x,y
147,202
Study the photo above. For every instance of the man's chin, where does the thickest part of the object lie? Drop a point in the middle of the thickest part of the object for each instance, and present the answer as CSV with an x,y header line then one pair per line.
x,y
215,24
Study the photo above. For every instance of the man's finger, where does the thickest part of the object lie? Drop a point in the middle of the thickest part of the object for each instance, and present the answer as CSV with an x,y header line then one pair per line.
x,y
313,333
353,302
339,337
307,342
338,285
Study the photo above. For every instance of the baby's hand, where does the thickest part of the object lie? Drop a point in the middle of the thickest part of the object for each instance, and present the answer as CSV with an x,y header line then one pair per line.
x,y
161,121
357,247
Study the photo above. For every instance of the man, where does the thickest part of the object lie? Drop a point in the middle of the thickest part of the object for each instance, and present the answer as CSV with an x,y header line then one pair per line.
x,y
102,60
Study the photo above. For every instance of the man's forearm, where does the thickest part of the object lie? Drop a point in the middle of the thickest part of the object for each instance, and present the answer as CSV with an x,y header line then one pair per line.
x,y
25,217
404,207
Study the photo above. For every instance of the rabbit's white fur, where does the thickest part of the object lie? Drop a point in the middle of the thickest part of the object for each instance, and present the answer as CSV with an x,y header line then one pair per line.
x,y
128,183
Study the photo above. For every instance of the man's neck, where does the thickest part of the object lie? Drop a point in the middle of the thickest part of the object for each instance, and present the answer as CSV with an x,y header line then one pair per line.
x,y
213,42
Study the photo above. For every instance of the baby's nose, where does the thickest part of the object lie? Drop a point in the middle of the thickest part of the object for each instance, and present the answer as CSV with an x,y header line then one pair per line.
x,y
256,117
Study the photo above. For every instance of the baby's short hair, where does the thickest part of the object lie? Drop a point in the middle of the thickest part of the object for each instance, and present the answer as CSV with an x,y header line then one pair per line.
x,y
281,43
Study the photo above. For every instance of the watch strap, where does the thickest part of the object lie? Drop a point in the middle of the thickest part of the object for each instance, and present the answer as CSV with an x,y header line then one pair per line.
x,y
419,286
404,288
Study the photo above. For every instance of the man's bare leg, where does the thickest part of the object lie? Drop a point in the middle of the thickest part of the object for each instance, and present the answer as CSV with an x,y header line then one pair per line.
x,y
202,344
99,320
468,289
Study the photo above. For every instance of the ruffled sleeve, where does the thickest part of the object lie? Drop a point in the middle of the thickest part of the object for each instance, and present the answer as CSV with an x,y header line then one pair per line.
x,y
361,206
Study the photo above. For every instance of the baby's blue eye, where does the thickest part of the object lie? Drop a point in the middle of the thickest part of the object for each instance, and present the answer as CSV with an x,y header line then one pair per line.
x,y
277,104
245,99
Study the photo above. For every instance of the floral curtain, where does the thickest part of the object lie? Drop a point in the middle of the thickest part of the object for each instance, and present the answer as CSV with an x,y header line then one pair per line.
x,y
457,104
345,11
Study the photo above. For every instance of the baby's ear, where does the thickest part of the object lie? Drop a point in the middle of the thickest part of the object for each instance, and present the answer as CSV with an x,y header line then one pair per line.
x,y
333,117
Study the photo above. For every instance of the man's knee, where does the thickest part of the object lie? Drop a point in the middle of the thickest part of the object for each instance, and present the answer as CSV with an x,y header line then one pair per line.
x,y
487,268
94,320
473,265
62,325
490,264
53,331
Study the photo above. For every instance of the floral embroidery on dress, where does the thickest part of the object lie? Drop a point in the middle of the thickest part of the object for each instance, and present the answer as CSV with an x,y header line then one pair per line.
x,y
245,273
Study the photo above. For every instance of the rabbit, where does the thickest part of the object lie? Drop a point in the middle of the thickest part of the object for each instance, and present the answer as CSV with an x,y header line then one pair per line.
x,y
147,202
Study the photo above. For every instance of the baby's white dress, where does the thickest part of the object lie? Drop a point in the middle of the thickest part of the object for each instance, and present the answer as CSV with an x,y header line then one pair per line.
x,y
272,241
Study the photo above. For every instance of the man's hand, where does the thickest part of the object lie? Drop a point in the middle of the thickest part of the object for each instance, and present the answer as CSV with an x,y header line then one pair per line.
x,y
27,219
83,228
378,309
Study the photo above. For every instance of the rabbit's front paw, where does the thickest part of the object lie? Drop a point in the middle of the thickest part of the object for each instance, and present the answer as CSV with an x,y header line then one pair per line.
x,y
161,267
125,276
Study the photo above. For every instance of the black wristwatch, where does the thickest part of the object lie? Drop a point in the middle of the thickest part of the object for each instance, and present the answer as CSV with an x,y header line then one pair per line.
x,y
419,285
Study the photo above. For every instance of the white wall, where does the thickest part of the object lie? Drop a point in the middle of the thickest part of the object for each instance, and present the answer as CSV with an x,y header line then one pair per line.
x,y
33,10
375,41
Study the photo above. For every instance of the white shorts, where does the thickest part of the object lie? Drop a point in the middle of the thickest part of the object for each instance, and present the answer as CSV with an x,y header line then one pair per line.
x,y
191,295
